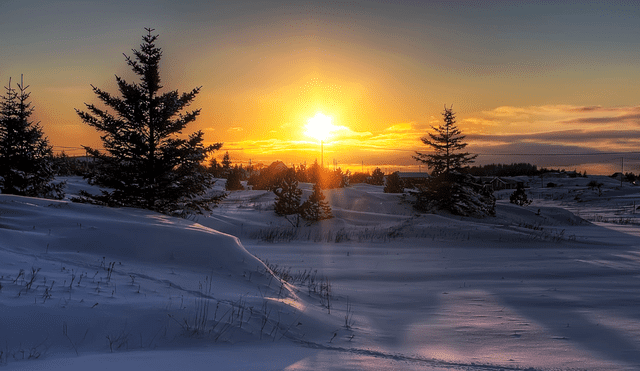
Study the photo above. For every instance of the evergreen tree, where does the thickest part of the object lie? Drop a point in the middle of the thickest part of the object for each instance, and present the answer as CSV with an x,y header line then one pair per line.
x,y
233,179
394,183
377,177
146,164
447,144
26,158
226,164
519,197
457,193
214,167
315,207
288,194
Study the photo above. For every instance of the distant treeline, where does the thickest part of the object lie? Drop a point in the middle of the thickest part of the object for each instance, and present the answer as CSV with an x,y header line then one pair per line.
x,y
515,169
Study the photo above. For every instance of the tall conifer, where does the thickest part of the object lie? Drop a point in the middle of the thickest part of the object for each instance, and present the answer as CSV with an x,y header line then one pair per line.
x,y
26,158
447,143
146,163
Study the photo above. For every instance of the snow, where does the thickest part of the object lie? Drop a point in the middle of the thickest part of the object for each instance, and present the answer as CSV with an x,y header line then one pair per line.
x,y
554,285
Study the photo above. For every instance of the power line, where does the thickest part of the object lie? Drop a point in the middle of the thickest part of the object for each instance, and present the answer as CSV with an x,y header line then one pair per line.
x,y
560,154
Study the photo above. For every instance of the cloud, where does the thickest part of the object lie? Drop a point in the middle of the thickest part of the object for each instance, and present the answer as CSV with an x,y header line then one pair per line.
x,y
570,136
605,120
235,129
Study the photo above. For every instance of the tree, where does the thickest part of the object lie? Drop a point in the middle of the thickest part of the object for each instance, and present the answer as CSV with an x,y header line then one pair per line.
x,y
447,142
448,189
226,164
519,196
315,208
288,194
593,185
457,193
26,158
394,183
233,179
214,167
146,164
377,177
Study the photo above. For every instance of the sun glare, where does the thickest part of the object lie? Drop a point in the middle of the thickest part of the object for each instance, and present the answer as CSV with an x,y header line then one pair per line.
x,y
319,127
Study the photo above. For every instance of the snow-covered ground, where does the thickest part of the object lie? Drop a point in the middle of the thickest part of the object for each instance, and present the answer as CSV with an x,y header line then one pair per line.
x,y
554,285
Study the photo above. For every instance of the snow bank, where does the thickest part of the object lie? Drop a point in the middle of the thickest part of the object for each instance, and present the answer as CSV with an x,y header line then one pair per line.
x,y
30,224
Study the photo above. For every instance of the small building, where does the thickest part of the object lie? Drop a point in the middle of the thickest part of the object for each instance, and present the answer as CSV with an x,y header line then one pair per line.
x,y
498,184
277,167
412,179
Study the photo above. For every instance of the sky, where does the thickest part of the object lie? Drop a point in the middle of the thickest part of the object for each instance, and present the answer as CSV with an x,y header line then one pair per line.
x,y
552,83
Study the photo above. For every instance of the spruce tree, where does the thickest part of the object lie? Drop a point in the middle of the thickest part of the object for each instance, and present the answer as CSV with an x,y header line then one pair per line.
x,y
394,183
447,142
519,197
377,177
288,194
26,158
146,163
233,179
448,189
315,208
226,164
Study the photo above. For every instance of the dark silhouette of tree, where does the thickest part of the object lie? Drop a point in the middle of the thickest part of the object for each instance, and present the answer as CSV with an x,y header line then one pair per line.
x,y
226,164
146,164
358,177
377,177
447,142
315,208
448,189
288,194
519,196
233,179
394,183
593,185
26,158
215,168
457,193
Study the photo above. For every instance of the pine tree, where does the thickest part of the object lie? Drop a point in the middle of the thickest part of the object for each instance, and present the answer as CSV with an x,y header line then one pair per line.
x,y
447,143
288,195
394,183
456,193
519,197
377,177
315,208
226,164
26,158
233,179
448,189
214,167
146,164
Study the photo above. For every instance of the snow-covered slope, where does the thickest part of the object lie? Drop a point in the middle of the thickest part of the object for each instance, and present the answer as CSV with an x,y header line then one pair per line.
x,y
554,285
80,278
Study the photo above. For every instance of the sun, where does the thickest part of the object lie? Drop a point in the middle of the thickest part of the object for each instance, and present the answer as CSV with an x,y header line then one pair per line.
x,y
320,127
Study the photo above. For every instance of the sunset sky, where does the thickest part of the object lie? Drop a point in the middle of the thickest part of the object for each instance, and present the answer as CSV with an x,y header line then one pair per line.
x,y
528,80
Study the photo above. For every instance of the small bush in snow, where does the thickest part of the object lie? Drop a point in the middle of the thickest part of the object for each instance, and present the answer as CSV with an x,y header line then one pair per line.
x,y
288,195
315,208
519,197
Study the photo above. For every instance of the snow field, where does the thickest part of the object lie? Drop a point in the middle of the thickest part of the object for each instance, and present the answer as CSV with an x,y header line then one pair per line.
x,y
537,287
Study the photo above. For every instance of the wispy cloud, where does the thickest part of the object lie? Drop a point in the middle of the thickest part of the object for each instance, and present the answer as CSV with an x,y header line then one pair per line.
x,y
629,118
